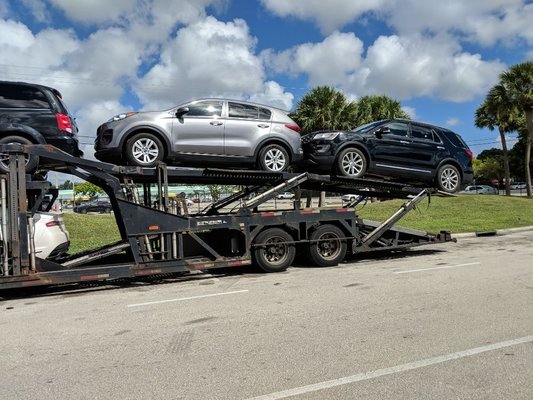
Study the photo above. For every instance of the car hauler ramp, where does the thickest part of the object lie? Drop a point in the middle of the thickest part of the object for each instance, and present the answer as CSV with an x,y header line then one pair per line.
x,y
156,238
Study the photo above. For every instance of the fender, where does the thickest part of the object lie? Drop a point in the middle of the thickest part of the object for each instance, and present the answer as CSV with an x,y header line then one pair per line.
x,y
452,162
13,128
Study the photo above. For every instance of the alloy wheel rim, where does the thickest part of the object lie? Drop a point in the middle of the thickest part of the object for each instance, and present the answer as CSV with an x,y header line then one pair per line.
x,y
352,163
145,151
449,179
275,160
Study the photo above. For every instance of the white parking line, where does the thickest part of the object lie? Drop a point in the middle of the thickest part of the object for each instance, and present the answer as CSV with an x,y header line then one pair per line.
x,y
392,370
431,269
186,298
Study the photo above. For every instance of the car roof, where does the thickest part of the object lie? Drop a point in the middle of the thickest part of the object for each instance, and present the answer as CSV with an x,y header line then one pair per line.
x,y
236,101
35,85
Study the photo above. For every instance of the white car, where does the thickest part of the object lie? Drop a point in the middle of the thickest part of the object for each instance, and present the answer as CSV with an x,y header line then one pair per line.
x,y
286,196
518,186
50,235
479,189
348,198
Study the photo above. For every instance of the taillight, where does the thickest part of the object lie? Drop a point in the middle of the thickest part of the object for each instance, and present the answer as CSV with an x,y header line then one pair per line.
x,y
63,123
52,223
293,127
470,154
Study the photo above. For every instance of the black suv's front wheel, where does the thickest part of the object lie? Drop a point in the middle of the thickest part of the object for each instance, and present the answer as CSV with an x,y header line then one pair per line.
x,y
144,150
32,161
351,163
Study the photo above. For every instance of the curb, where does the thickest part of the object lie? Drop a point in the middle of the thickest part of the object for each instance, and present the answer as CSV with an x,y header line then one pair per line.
x,y
497,232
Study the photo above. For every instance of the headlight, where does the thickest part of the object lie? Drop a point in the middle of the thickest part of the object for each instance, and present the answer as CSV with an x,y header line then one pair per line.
x,y
326,135
122,116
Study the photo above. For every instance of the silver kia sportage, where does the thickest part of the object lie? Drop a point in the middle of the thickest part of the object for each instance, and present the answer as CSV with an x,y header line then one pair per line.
x,y
206,132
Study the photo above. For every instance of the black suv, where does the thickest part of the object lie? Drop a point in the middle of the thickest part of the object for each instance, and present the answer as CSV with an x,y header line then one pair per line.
x,y
35,114
409,151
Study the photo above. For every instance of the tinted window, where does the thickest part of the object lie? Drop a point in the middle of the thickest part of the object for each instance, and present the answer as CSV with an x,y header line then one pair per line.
x,y
454,138
205,109
397,128
21,96
422,133
367,127
239,110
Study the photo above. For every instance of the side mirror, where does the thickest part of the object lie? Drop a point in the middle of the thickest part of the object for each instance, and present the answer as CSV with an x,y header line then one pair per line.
x,y
182,111
383,130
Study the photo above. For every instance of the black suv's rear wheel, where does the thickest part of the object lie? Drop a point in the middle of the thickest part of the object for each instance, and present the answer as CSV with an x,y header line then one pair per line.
x,y
273,158
448,179
144,150
351,163
31,161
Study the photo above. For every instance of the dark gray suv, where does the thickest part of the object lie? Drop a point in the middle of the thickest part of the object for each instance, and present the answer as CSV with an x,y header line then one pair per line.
x,y
206,132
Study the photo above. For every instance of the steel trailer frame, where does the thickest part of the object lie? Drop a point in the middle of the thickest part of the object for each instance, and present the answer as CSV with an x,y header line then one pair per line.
x,y
156,241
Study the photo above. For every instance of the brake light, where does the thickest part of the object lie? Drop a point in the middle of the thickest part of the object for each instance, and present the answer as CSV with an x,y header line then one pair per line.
x,y
52,223
63,123
293,127
470,154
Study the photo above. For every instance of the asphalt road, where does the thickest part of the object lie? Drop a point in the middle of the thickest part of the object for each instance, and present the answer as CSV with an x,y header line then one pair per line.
x,y
451,321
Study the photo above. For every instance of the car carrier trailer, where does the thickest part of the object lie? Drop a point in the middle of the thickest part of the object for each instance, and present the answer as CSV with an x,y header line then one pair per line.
x,y
161,236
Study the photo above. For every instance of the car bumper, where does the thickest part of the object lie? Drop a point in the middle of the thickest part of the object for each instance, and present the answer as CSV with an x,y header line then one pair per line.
x,y
113,156
68,144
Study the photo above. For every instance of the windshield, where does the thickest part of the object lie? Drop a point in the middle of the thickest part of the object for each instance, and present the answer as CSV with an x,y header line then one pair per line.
x,y
367,127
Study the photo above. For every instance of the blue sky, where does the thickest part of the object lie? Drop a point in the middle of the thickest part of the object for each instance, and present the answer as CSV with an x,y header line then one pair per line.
x,y
437,58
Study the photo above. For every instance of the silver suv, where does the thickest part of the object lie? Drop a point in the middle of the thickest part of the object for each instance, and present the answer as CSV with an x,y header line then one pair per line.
x,y
213,132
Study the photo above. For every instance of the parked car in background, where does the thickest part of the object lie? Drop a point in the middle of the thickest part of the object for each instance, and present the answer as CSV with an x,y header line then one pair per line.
x,y
206,132
409,151
35,114
50,235
99,206
350,197
285,196
518,186
479,189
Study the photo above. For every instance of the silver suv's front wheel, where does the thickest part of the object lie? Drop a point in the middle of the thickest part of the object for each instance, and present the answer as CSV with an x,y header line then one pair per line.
x,y
144,150
273,158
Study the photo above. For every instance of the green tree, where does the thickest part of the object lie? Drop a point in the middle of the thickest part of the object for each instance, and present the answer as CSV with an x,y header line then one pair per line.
x,y
498,111
375,108
65,185
518,82
88,189
325,108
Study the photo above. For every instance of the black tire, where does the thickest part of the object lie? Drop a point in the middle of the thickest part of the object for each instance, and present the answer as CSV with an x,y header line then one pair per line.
x,y
31,162
107,211
275,252
327,248
351,163
448,179
83,211
144,150
273,158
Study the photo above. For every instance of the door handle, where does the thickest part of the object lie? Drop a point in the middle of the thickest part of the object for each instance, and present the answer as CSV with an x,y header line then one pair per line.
x,y
263,125
404,142
441,147
215,123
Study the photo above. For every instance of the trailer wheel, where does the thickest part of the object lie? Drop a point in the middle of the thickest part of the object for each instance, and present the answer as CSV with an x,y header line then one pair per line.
x,y
327,248
31,161
276,252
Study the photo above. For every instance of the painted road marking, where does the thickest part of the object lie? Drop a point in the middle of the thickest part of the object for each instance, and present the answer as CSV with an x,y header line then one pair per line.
x,y
392,370
186,298
431,269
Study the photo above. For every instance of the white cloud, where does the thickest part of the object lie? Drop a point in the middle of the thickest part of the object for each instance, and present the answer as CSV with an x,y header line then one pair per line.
x,y
274,95
328,15
411,111
208,58
453,121
38,9
95,11
326,63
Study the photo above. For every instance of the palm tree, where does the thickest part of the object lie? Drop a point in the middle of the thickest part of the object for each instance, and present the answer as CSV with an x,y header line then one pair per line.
x,y
324,108
375,108
497,110
518,82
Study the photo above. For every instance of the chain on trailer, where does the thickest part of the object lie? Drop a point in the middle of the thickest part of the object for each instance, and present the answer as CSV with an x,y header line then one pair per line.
x,y
160,235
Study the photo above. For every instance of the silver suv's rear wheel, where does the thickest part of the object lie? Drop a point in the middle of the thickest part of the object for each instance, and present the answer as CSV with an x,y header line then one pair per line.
x,y
273,158
144,150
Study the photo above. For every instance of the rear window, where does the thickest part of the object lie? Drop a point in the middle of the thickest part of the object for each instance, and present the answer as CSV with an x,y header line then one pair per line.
x,y
248,111
454,138
22,96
